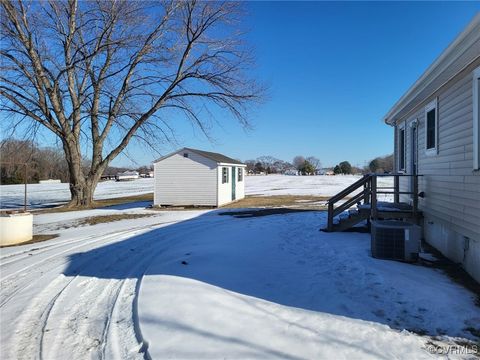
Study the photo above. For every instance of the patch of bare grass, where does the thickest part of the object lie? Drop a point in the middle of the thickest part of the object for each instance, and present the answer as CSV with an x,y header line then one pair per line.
x,y
102,219
291,201
101,203
262,212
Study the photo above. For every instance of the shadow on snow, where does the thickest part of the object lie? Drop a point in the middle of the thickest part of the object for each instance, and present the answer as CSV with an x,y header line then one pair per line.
x,y
281,258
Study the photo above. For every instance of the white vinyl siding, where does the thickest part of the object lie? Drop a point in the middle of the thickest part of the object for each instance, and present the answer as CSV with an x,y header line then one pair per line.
x,y
451,187
185,180
189,178
224,187
476,119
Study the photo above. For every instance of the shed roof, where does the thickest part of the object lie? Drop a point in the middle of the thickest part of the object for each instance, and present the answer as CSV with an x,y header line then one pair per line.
x,y
217,157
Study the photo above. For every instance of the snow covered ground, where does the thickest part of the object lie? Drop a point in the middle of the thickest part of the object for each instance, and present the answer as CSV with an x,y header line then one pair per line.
x,y
194,284
40,195
11,196
51,304
305,185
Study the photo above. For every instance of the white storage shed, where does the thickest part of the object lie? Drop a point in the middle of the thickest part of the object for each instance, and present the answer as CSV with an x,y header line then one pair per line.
x,y
189,177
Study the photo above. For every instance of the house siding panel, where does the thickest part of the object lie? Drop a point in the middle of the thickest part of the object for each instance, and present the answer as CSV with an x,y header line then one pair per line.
x,y
452,189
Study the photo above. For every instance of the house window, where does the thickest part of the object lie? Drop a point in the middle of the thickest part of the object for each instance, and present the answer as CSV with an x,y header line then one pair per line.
x,y
240,174
401,150
431,127
224,175
476,119
185,155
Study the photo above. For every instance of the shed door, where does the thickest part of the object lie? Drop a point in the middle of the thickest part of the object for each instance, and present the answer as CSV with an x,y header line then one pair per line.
x,y
234,183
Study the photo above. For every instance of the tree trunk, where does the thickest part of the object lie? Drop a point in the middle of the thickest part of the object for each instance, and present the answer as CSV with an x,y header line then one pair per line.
x,y
81,195
82,189
81,186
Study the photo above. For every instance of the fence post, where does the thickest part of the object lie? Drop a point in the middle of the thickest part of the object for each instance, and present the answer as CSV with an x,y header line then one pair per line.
x,y
415,196
330,217
366,192
396,190
25,192
373,205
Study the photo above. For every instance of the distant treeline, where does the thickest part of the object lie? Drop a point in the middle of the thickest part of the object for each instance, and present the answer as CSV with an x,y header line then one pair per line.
x,y
49,163
312,165
383,164
42,163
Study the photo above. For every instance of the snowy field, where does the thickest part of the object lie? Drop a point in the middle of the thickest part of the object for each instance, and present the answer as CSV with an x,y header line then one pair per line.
x,y
197,285
303,185
40,195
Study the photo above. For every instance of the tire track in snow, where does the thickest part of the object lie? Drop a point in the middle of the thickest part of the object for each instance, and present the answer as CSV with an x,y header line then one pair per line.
x,y
26,254
120,334
57,305
22,278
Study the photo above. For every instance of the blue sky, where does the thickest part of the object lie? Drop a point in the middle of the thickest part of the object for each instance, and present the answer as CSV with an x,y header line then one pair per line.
x,y
333,71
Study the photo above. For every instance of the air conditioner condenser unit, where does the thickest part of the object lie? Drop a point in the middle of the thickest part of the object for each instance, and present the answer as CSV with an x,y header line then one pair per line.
x,y
395,240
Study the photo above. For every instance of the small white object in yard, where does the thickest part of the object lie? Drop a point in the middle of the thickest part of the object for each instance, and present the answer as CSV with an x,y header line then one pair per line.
x,y
15,228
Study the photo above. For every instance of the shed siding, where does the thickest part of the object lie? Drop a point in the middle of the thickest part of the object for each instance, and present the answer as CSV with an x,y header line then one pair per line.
x,y
452,189
241,185
174,185
225,190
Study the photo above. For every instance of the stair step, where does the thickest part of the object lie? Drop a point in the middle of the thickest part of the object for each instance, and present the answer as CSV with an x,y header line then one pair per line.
x,y
347,223
343,216
353,212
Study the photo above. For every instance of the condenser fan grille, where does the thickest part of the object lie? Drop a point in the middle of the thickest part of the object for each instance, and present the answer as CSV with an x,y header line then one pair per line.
x,y
395,240
389,243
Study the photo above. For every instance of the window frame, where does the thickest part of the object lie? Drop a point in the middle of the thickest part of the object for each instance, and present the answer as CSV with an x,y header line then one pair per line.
x,y
224,175
476,119
401,151
433,105
240,174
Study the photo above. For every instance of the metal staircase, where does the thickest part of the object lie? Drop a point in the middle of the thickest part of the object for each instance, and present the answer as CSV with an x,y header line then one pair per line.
x,y
359,202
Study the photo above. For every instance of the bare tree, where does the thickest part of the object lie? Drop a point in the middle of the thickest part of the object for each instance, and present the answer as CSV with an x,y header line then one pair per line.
x,y
298,162
316,163
98,74
267,162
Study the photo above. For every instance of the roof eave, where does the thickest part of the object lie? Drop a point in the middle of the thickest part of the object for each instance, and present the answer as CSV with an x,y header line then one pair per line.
x,y
168,155
196,152
232,164
450,54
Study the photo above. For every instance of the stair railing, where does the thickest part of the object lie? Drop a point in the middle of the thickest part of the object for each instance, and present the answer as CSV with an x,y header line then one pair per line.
x,y
369,195
365,195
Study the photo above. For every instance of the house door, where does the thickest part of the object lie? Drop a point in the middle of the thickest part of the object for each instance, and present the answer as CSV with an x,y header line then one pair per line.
x,y
234,183
413,155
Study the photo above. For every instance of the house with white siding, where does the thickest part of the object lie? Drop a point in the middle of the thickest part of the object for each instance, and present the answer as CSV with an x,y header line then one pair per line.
x,y
191,177
437,131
